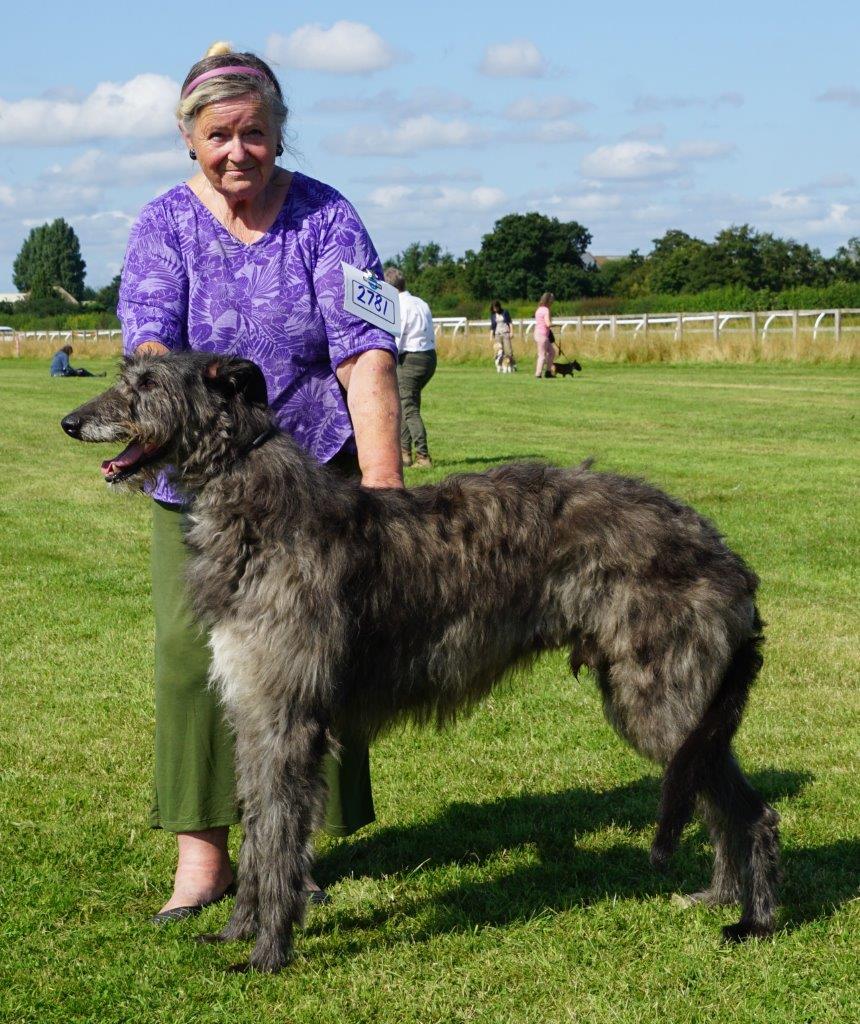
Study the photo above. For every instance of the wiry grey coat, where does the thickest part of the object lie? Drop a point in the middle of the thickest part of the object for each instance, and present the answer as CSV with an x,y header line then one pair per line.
x,y
327,602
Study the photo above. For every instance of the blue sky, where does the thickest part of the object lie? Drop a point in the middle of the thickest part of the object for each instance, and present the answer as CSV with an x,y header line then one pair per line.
x,y
437,119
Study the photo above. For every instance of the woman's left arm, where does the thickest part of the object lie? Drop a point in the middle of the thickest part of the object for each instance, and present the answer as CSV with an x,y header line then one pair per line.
x,y
370,382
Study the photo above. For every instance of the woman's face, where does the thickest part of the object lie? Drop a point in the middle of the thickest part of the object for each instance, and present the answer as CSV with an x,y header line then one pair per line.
x,y
236,142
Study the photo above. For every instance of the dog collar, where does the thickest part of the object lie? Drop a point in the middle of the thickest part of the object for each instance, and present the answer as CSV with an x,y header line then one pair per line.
x,y
261,439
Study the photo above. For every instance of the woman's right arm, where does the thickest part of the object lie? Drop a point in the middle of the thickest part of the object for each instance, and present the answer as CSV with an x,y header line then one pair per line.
x,y
153,295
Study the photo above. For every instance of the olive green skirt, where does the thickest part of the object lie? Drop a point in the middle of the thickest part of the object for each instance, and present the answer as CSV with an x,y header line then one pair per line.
x,y
194,780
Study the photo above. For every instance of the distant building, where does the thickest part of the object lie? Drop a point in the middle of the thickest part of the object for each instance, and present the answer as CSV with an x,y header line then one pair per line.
x,y
21,296
600,260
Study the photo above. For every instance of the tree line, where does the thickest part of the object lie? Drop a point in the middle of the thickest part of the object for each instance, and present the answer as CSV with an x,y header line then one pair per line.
x,y
525,255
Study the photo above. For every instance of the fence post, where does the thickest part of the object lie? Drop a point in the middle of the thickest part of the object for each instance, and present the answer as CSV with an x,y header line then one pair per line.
x,y
680,333
754,326
794,326
717,327
837,325
579,331
612,326
645,327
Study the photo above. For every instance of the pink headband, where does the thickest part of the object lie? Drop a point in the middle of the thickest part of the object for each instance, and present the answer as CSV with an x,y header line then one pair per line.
x,y
229,69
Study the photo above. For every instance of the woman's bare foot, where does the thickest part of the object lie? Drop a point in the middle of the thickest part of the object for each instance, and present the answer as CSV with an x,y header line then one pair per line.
x,y
203,870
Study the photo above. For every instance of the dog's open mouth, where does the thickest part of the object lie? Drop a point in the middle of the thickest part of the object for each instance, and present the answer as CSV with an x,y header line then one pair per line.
x,y
129,461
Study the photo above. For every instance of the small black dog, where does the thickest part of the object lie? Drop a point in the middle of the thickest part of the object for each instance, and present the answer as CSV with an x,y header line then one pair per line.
x,y
566,368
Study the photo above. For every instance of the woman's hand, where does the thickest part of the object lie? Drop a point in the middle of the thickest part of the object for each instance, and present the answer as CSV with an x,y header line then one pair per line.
x,y
370,382
151,348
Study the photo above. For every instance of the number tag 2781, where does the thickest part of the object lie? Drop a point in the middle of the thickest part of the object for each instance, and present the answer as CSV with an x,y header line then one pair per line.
x,y
372,300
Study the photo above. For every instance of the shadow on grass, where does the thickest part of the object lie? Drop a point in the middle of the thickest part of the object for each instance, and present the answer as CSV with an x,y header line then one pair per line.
x,y
818,880
485,461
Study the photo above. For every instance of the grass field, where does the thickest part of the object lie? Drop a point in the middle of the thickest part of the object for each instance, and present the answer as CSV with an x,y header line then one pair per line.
x,y
507,878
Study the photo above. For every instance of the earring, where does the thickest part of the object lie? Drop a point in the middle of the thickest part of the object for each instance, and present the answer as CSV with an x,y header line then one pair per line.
x,y
280,150
192,154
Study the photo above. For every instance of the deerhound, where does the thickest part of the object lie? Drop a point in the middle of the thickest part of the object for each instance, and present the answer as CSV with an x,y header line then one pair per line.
x,y
330,602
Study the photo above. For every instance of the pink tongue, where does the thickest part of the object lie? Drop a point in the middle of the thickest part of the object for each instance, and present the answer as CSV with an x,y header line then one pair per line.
x,y
127,457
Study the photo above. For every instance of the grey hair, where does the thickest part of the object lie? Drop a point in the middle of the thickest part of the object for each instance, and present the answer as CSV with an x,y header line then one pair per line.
x,y
230,86
395,277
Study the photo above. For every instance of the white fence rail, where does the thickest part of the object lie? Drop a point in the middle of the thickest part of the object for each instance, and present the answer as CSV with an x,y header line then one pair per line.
x,y
16,337
758,323
820,320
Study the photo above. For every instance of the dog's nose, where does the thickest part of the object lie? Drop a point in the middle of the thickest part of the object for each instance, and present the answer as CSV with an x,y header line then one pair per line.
x,y
71,424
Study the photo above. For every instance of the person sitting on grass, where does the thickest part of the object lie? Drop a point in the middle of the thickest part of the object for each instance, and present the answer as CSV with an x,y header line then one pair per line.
x,y
60,366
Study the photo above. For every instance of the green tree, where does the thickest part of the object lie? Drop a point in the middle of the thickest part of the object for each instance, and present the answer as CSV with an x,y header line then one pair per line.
x,y
108,297
681,263
846,262
527,254
52,253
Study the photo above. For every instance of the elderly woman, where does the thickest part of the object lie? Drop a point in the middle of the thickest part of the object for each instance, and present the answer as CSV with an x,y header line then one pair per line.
x,y
245,258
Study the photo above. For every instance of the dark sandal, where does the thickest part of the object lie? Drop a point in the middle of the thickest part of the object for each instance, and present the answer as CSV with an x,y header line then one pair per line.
x,y
183,913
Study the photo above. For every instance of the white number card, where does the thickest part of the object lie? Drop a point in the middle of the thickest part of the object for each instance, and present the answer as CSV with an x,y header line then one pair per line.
x,y
371,299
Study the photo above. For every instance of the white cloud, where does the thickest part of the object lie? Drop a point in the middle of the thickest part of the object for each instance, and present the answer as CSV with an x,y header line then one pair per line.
x,y
654,104
410,136
544,108
848,94
96,167
347,48
406,175
394,106
789,201
141,108
842,218
557,131
445,198
634,160
699,149
517,59
576,205
631,160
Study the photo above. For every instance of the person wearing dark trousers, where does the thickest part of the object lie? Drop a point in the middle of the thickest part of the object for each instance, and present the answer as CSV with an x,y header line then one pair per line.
x,y
60,366
416,364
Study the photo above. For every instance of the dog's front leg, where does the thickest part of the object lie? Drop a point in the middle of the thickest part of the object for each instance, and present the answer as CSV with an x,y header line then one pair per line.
x,y
288,791
243,923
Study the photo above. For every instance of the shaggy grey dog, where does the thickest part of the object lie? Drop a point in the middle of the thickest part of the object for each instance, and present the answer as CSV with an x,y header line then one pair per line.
x,y
328,602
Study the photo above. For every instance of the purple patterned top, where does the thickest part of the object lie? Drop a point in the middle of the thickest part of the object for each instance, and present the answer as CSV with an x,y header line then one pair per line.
x,y
188,283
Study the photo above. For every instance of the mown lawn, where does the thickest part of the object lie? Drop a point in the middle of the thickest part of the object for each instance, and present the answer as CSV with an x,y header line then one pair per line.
x,y
507,878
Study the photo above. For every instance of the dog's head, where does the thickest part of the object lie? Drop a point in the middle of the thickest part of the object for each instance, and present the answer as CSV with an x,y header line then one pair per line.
x,y
194,412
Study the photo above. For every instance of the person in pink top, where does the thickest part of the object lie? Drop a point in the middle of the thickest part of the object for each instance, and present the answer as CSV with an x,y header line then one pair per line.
x,y
543,335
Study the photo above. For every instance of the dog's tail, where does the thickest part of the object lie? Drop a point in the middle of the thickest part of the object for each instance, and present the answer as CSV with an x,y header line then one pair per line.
x,y
696,764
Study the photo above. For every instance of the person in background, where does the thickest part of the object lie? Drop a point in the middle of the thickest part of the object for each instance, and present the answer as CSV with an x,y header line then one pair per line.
x,y
244,259
544,337
416,364
60,366
501,329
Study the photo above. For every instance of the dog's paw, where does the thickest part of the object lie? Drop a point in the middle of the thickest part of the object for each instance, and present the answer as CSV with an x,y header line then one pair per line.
x,y
744,930
659,857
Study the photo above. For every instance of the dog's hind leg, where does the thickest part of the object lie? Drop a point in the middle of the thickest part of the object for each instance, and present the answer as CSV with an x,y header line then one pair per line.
x,y
699,760
725,887
747,850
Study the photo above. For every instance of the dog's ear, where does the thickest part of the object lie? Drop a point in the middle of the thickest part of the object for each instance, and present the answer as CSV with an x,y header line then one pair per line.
x,y
237,377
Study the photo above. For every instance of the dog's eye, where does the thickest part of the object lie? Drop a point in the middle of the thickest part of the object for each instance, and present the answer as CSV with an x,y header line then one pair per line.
x,y
147,384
